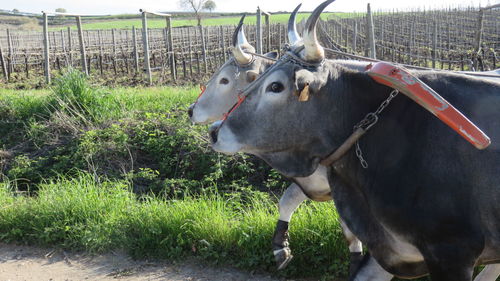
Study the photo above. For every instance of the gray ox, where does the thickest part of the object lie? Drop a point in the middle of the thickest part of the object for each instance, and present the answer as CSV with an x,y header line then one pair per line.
x,y
429,205
221,93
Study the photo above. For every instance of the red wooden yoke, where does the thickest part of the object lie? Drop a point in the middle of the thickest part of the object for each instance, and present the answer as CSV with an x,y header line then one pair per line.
x,y
401,79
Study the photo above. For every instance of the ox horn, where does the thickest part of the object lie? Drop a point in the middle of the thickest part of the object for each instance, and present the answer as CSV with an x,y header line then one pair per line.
x,y
239,41
313,52
293,35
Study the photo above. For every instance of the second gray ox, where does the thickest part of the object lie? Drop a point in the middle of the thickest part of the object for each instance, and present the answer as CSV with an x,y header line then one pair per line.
x,y
430,203
221,94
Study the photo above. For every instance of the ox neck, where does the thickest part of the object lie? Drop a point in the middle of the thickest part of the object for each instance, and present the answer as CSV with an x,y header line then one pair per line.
x,y
360,96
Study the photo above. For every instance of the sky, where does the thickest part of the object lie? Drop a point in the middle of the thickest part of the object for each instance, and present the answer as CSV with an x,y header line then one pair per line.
x,y
98,7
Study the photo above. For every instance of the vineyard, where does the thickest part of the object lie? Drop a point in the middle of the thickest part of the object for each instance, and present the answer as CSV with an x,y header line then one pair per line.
x,y
444,39
453,39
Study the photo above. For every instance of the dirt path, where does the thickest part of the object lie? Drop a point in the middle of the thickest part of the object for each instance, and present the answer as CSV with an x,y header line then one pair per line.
x,y
19,263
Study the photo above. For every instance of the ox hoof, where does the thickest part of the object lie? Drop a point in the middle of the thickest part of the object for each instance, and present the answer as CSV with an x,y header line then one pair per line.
x,y
283,257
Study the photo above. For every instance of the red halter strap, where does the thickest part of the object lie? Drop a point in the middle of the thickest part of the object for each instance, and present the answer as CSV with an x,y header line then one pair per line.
x,y
236,105
202,88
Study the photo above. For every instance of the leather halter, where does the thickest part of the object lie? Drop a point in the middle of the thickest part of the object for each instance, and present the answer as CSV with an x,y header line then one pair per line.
x,y
231,61
289,57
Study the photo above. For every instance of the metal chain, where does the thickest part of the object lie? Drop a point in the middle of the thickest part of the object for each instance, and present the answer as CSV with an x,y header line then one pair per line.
x,y
368,122
359,154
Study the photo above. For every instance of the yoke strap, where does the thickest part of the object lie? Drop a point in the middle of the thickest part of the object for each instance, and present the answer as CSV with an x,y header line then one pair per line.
x,y
399,78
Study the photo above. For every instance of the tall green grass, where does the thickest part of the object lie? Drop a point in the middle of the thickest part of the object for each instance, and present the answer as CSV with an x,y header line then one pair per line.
x,y
80,213
73,93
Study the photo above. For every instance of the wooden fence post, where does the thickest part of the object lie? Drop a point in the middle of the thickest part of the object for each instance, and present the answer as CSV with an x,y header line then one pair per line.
x,y
125,51
223,43
479,35
410,44
355,37
82,45
101,52
136,53
268,31
63,44
190,52
203,48
2,61
145,42
26,64
259,31
434,44
70,47
10,67
279,37
173,70
113,54
207,47
46,48
370,34
394,45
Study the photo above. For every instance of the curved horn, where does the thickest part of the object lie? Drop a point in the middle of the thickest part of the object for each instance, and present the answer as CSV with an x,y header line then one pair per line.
x,y
293,35
236,37
313,51
239,41
240,55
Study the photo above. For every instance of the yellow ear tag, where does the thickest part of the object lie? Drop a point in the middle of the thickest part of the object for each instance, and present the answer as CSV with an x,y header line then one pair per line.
x,y
304,94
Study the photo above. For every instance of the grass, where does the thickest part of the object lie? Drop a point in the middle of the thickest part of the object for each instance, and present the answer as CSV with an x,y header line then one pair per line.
x,y
160,23
139,134
94,169
97,169
80,213
113,102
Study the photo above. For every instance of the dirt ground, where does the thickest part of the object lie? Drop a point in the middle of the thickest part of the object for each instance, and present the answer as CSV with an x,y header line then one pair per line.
x,y
20,263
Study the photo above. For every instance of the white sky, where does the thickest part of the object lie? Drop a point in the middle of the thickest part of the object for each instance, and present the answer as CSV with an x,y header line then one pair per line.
x,y
133,6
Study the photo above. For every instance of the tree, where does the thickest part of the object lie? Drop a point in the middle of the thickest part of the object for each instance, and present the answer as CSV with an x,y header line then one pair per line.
x,y
209,5
15,11
196,6
61,10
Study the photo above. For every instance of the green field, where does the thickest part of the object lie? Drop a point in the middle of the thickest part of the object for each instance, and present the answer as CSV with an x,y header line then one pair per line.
x,y
160,23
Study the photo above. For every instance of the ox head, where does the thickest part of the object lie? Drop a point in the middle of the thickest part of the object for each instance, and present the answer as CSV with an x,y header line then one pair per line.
x,y
278,121
222,89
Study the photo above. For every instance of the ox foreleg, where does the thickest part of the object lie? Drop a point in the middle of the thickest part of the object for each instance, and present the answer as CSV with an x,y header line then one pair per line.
x,y
451,261
489,273
355,248
291,199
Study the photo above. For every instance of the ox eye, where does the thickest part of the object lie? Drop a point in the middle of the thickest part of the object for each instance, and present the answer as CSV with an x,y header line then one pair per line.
x,y
275,87
224,81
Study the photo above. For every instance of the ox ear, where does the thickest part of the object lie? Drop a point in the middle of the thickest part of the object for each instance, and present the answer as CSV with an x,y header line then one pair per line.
x,y
307,83
251,75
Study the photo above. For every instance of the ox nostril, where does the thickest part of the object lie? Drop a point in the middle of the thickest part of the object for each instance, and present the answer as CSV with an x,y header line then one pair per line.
x,y
190,110
213,136
214,131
